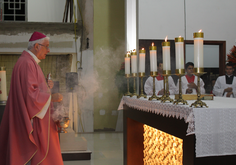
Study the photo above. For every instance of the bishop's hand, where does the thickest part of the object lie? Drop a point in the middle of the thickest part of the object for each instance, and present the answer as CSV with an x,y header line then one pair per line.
x,y
57,97
50,84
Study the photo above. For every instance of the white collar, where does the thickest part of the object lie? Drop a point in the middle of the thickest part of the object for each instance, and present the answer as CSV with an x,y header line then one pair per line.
x,y
34,57
229,75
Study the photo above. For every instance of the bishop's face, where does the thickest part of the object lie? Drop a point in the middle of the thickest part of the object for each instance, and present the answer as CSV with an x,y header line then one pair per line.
x,y
43,49
229,70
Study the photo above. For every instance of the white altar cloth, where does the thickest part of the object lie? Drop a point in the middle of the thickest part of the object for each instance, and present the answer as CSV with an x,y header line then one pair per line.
x,y
214,127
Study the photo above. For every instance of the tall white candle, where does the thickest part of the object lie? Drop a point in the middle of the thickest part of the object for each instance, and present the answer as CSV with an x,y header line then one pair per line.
x,y
3,84
142,60
166,54
134,62
127,63
179,52
198,49
153,58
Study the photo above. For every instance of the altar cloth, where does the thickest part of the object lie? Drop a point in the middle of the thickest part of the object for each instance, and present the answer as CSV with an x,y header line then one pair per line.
x,y
214,127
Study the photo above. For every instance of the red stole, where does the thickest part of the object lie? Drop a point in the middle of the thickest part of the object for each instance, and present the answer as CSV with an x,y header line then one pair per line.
x,y
190,79
159,77
21,142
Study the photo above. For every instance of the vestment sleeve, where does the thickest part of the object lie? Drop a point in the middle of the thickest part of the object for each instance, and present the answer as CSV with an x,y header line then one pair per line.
x,y
184,85
202,89
35,90
234,91
148,86
172,87
217,90
44,110
234,87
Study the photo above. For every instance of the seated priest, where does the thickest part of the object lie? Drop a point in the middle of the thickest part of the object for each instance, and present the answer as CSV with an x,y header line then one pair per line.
x,y
159,86
226,85
189,81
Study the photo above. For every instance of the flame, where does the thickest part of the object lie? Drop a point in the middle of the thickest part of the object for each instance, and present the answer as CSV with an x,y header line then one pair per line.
x,y
166,38
134,50
200,31
179,36
153,44
142,48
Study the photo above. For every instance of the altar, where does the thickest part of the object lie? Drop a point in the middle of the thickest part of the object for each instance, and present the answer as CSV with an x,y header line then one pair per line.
x,y
194,135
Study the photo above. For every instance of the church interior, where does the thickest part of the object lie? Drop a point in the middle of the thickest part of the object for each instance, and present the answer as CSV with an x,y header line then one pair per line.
x,y
89,43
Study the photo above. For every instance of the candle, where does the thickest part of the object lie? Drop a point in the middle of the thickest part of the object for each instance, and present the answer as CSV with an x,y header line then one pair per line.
x,y
198,49
153,58
3,84
179,52
134,61
166,54
127,63
142,60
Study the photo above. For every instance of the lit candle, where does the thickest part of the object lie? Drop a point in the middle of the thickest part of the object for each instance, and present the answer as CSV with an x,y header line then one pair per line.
x,y
198,49
134,61
166,54
127,63
142,60
153,58
179,52
3,84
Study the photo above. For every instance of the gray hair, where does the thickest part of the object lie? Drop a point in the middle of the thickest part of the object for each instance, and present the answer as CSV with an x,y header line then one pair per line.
x,y
40,41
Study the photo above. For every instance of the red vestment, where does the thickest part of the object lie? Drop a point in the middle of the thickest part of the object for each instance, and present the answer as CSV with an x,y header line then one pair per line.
x,y
190,79
159,77
20,142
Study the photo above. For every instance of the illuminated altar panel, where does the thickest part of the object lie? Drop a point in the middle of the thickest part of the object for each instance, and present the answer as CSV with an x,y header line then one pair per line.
x,y
161,148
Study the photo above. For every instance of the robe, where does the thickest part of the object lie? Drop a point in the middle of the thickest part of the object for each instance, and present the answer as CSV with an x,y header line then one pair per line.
x,y
185,82
148,86
220,85
21,141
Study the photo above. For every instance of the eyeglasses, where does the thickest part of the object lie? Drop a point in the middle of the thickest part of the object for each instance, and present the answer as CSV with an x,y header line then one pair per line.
x,y
45,46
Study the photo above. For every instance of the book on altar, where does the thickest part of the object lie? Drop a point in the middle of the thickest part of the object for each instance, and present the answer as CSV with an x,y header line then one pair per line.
x,y
194,96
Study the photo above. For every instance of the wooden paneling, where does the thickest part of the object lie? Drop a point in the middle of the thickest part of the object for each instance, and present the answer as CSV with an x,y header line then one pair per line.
x,y
222,53
135,140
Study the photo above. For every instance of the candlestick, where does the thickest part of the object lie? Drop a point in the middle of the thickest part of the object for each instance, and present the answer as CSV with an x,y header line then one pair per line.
x,y
134,94
154,96
134,62
166,95
142,70
3,85
153,58
166,55
179,52
141,75
127,63
199,102
180,98
142,60
198,51
128,93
